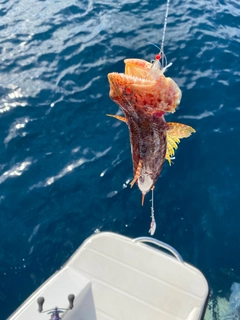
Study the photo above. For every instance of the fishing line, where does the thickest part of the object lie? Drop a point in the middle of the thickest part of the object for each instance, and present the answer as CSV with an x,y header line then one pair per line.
x,y
160,61
164,27
163,66
162,56
161,50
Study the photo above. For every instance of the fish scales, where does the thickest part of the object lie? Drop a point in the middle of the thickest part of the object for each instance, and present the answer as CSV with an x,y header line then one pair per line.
x,y
148,143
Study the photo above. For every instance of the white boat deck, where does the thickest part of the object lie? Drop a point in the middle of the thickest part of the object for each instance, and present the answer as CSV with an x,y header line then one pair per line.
x,y
115,278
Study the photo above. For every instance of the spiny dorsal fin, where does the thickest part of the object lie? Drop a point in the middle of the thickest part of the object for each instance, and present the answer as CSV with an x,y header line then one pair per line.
x,y
175,132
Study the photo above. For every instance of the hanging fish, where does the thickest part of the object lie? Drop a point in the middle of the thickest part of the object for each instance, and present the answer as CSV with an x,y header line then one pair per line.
x,y
144,94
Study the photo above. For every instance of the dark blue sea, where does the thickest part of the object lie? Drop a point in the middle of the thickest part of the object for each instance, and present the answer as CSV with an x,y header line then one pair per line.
x,y
65,167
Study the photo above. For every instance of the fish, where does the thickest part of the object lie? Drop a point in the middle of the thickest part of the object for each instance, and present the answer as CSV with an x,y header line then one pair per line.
x,y
145,95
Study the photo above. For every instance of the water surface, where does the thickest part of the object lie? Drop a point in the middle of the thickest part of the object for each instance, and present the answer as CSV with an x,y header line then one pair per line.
x,y
65,167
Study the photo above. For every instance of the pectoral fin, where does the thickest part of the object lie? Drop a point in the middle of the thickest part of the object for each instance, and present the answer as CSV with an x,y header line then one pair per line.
x,y
117,117
175,132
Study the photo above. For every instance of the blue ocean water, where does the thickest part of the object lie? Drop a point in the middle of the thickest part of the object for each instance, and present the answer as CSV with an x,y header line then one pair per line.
x,y
65,167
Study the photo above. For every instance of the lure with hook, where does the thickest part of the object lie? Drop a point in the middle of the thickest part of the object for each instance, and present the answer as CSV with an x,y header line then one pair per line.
x,y
153,224
160,62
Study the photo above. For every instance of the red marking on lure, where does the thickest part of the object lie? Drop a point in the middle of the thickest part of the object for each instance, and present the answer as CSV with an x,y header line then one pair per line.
x,y
158,56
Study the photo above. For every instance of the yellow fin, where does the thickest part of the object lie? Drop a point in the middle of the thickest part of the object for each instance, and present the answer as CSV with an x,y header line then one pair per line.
x,y
117,117
175,132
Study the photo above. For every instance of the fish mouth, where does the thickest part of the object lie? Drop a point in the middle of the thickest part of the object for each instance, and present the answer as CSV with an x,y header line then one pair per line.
x,y
115,77
136,74
139,81
140,69
121,84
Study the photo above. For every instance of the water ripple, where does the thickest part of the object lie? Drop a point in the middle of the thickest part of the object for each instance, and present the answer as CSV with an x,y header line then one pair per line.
x,y
16,170
68,169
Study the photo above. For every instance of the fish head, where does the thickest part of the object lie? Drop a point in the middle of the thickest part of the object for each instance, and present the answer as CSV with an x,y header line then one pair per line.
x,y
143,85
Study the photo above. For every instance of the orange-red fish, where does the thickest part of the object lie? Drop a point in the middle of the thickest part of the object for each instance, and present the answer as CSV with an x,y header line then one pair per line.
x,y
144,94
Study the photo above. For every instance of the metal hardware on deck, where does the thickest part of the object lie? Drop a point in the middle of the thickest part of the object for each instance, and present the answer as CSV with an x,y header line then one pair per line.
x,y
55,312
162,245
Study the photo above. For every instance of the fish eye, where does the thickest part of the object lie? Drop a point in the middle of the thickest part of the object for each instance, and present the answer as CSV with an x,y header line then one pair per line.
x,y
152,61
